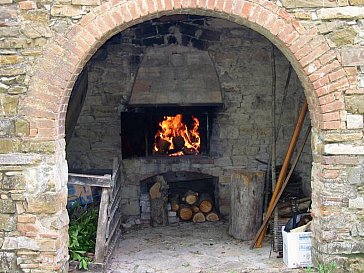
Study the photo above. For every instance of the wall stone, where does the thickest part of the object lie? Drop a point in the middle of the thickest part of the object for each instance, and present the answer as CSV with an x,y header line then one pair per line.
x,y
44,31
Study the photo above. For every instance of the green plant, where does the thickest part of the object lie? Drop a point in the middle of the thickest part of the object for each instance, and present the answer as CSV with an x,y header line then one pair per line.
x,y
82,233
323,268
326,268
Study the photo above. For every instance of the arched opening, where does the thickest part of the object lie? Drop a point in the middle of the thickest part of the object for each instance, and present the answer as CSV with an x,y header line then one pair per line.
x,y
166,54
316,66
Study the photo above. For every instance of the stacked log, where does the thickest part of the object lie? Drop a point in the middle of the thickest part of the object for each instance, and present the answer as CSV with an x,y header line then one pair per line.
x,y
194,207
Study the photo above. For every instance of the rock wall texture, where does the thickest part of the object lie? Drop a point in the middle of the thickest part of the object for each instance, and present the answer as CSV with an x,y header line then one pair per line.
x,y
45,45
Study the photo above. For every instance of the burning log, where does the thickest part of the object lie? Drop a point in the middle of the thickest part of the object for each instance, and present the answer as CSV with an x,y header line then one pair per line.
x,y
190,197
162,146
198,217
205,203
178,143
189,151
212,217
185,213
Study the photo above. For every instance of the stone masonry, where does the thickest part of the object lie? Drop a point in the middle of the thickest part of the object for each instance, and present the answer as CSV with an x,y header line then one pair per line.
x,y
241,130
45,45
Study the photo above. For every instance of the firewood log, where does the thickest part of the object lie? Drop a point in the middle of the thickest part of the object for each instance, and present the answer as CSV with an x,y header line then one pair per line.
x,y
158,202
198,217
205,203
174,200
212,217
185,213
195,208
190,197
162,145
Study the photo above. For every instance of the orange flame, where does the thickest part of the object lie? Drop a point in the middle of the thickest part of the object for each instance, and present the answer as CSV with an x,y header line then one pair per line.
x,y
175,139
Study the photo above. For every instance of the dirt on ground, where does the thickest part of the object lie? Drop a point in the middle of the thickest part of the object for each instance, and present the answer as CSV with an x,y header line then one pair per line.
x,y
190,248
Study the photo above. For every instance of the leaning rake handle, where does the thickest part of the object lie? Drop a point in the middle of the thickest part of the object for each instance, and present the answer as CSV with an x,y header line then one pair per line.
x,y
282,179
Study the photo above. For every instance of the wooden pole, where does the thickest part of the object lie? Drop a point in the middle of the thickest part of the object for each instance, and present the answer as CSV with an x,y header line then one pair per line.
x,y
257,242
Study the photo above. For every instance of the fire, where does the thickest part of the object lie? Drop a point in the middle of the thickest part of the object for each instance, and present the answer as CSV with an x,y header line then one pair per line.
x,y
175,139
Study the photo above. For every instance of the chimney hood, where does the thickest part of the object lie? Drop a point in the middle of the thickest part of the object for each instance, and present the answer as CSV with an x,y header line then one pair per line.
x,y
176,76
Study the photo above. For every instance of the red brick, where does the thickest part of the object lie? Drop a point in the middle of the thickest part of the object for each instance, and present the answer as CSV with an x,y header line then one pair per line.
x,y
119,20
246,9
211,4
298,26
169,5
254,13
220,5
302,41
333,106
321,82
285,32
201,3
151,7
27,5
331,125
315,54
290,38
228,5
337,75
327,99
277,27
177,4
284,15
327,57
109,20
86,19
343,83
331,116
313,70
271,6
160,6
263,17
237,8
303,51
94,30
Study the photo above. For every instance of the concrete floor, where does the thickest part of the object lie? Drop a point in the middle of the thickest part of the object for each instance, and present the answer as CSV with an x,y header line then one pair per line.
x,y
190,248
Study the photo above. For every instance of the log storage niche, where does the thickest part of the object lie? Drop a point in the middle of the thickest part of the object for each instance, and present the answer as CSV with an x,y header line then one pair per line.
x,y
179,196
247,189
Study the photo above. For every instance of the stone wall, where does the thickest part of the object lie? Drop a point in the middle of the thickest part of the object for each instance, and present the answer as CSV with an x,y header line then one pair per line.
x,y
241,130
44,46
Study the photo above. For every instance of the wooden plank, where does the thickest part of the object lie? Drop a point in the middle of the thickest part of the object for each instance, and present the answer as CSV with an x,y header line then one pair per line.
x,y
258,240
274,202
113,225
100,248
115,202
103,181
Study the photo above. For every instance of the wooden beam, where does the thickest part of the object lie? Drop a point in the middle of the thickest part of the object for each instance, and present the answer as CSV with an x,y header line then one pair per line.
x,y
258,240
100,248
274,202
103,181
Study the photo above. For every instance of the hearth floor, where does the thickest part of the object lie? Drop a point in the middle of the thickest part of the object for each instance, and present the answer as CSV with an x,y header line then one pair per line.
x,y
190,248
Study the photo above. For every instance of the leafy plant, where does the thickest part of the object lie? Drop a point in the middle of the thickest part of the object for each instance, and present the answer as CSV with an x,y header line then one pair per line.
x,y
82,233
323,268
327,268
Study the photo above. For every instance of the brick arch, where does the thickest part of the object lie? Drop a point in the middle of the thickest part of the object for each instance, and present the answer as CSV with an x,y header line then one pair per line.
x,y
315,63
